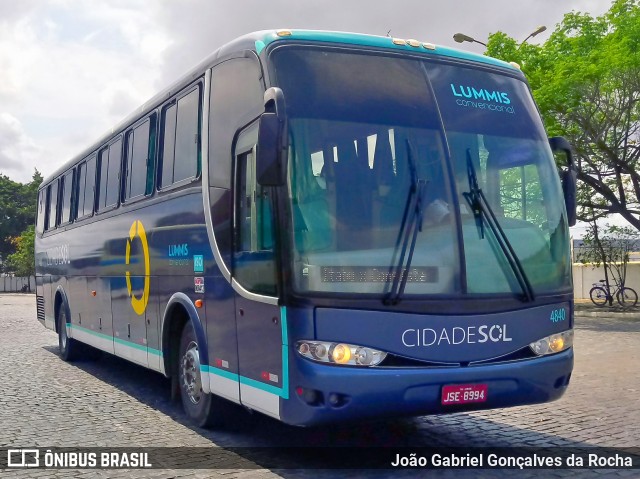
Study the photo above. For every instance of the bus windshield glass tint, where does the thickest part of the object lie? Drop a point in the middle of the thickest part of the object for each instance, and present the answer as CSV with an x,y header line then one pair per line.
x,y
365,129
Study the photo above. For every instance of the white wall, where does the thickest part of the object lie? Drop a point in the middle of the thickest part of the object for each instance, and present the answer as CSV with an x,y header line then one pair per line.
x,y
585,275
14,284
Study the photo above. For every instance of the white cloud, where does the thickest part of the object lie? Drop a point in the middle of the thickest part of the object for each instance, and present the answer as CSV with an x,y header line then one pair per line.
x,y
16,147
198,27
71,70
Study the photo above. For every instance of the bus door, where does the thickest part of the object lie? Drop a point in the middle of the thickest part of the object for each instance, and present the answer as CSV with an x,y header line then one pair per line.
x,y
260,332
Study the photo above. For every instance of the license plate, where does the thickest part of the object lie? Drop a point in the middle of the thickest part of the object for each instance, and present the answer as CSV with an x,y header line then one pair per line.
x,y
464,393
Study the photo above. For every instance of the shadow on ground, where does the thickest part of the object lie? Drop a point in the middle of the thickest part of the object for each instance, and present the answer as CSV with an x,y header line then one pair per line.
x,y
270,444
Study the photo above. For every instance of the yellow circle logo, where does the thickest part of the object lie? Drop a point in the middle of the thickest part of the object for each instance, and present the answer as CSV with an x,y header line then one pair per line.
x,y
138,304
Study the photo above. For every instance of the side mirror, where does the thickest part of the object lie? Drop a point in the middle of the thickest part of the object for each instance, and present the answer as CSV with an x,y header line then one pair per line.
x,y
271,154
568,177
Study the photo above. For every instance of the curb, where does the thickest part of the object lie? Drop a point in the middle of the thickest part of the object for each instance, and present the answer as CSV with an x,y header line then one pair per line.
x,y
606,314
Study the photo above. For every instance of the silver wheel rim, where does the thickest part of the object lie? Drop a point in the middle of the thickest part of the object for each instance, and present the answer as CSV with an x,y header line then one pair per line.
x,y
191,381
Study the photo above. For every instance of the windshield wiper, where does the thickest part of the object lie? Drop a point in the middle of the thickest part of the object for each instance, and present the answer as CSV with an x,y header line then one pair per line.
x,y
482,211
409,228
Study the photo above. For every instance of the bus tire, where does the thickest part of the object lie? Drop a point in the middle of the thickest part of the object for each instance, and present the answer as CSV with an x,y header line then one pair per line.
x,y
69,347
199,406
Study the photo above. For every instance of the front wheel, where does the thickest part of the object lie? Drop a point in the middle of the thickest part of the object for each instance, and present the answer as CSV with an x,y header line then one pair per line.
x,y
627,297
69,347
204,410
598,296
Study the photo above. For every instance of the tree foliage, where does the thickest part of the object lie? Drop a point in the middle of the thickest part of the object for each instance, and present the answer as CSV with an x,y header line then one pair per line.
x,y
17,210
586,81
609,246
22,262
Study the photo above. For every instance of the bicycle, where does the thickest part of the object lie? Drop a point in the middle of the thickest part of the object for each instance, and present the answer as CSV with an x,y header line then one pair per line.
x,y
600,294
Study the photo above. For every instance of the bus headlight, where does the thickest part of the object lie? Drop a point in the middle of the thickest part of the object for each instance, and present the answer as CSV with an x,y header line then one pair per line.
x,y
340,353
553,344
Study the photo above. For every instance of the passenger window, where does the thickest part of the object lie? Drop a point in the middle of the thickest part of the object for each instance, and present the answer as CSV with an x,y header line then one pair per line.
x,y
52,203
181,157
168,146
237,98
139,166
67,190
109,159
254,259
86,180
42,202
81,178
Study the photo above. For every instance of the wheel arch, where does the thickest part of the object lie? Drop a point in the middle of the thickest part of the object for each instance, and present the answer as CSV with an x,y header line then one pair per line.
x,y
179,311
60,298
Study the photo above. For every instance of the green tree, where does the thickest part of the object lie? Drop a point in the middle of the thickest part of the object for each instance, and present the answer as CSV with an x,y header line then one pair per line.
x,y
586,81
22,262
17,209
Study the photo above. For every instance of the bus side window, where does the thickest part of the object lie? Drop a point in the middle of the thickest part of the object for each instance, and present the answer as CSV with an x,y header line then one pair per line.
x,y
42,197
66,207
52,206
79,190
85,190
168,145
254,259
237,97
139,163
181,123
109,159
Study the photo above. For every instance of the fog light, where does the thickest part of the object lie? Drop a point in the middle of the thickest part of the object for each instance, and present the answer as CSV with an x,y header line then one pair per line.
x,y
310,396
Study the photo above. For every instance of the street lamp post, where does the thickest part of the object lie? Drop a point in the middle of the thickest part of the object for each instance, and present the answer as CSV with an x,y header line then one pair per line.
x,y
538,30
461,37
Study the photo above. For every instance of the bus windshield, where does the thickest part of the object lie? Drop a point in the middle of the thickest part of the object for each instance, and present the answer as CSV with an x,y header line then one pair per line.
x,y
365,130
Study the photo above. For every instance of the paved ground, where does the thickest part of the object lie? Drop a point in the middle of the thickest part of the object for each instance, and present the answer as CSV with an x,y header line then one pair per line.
x,y
46,402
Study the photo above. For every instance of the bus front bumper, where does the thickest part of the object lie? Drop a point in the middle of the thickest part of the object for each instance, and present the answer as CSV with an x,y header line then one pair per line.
x,y
321,393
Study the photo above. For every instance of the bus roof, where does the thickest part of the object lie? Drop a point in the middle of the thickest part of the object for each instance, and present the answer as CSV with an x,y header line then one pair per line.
x,y
359,39
258,41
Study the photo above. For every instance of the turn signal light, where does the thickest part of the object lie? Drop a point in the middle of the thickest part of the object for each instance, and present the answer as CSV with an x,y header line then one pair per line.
x,y
341,354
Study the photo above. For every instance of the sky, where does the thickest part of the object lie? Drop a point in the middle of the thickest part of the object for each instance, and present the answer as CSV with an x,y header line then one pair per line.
x,y
72,69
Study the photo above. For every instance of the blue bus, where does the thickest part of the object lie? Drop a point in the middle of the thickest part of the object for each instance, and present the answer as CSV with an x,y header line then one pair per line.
x,y
322,226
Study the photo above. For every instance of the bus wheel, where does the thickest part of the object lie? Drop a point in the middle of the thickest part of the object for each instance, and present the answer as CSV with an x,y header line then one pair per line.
x,y
200,407
69,347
